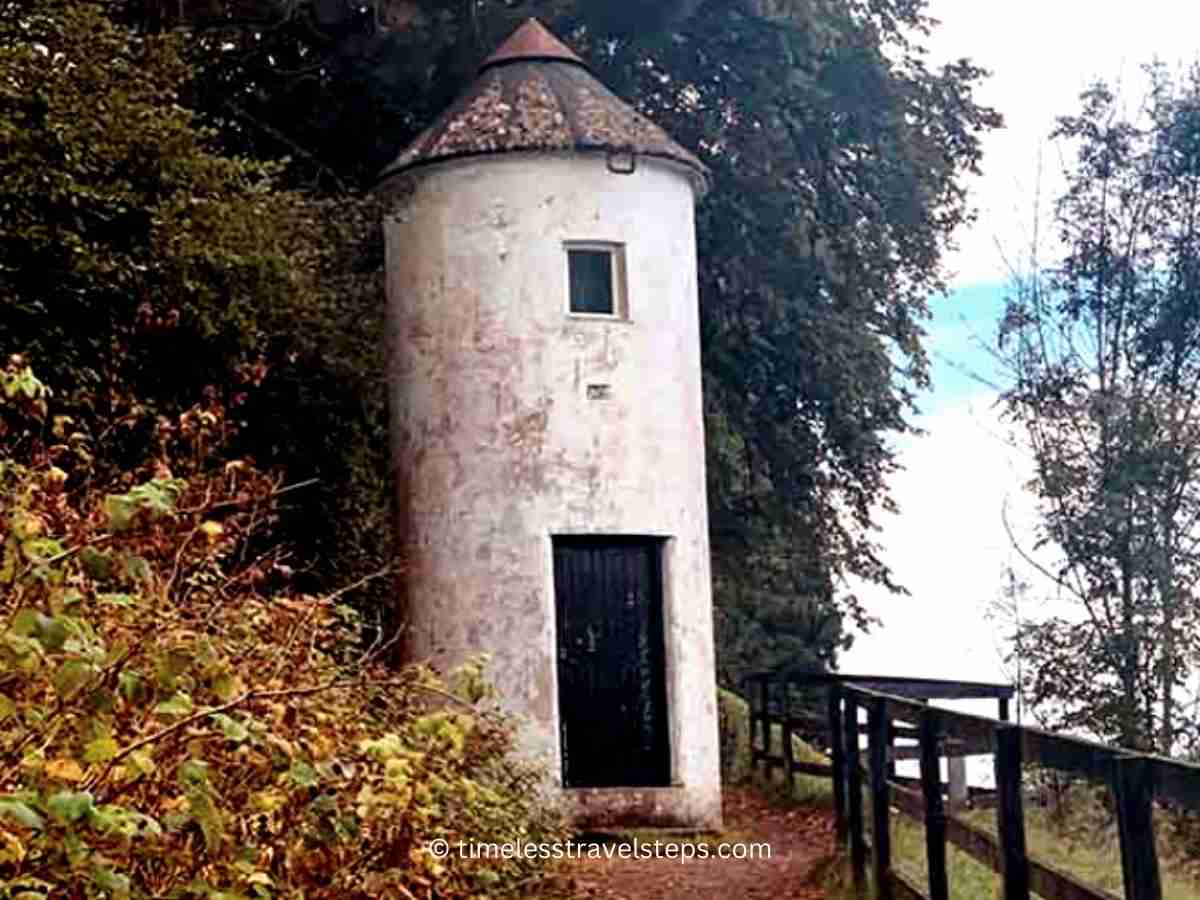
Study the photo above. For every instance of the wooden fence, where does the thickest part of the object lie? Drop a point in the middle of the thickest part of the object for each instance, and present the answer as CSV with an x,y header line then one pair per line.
x,y
895,708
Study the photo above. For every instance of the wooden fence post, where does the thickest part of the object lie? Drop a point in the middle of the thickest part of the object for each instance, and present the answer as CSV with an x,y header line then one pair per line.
x,y
1133,790
891,742
879,734
956,775
858,846
1010,814
752,702
785,737
935,812
764,721
837,753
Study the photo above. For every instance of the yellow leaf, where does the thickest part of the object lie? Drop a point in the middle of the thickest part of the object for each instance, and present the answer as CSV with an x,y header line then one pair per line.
x,y
321,747
142,762
64,770
269,801
280,744
27,525
13,850
8,570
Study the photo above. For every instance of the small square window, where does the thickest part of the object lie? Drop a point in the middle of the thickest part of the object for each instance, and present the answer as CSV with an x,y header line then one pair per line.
x,y
595,273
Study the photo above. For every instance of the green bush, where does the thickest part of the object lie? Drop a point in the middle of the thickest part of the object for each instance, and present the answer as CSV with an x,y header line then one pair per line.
x,y
179,722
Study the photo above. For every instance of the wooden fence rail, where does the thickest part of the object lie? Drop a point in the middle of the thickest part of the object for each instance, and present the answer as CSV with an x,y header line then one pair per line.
x,y
772,705
897,707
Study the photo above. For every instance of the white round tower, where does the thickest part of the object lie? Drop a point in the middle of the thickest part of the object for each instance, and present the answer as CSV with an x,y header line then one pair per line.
x,y
547,428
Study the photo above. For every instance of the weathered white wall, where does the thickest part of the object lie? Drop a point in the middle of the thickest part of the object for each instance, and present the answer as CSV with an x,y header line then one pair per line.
x,y
498,446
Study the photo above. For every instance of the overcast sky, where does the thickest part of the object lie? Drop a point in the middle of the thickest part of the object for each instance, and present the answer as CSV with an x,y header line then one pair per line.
x,y
948,545
1041,56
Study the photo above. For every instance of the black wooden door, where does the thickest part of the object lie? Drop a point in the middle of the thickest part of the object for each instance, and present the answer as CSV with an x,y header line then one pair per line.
x,y
611,674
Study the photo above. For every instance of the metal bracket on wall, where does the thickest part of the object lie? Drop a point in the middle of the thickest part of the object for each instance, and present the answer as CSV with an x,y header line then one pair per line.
x,y
622,162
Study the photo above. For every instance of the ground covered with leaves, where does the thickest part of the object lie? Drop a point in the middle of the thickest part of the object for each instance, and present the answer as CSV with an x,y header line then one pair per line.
x,y
801,839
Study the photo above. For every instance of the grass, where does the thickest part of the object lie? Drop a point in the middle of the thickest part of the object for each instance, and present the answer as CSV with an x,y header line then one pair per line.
x,y
1081,840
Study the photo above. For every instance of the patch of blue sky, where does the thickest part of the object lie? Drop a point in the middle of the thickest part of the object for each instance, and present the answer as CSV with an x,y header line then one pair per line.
x,y
961,345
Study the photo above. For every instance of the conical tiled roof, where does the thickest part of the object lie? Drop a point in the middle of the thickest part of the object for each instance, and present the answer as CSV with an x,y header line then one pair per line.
x,y
534,93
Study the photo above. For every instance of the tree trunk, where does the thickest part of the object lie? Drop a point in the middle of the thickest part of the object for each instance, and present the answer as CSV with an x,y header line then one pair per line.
x,y
1131,737
1166,738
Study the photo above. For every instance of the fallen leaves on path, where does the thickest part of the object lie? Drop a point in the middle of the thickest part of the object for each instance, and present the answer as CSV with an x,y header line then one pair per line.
x,y
801,842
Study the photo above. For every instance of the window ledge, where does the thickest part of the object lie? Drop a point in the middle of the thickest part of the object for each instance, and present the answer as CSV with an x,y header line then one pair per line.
x,y
599,317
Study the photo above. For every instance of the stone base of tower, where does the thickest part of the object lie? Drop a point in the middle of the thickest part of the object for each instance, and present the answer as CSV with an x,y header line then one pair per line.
x,y
597,809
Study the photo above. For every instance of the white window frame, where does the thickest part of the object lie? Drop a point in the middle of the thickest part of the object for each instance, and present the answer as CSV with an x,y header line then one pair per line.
x,y
616,255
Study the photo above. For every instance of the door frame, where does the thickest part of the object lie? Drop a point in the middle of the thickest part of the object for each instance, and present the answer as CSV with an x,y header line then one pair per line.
x,y
660,625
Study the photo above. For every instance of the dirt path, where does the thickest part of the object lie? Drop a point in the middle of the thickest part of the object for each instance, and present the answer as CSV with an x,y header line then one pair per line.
x,y
801,840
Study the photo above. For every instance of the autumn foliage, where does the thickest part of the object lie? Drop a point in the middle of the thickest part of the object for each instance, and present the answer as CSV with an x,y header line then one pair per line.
x,y
177,722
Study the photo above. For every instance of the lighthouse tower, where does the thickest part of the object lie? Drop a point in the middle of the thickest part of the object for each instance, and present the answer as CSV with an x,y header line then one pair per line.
x,y
547,428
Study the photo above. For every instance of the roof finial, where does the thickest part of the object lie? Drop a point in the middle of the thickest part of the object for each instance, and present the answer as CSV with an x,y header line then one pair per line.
x,y
532,41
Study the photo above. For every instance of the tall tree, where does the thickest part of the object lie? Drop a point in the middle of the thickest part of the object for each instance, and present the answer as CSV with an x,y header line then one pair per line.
x,y
1104,347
